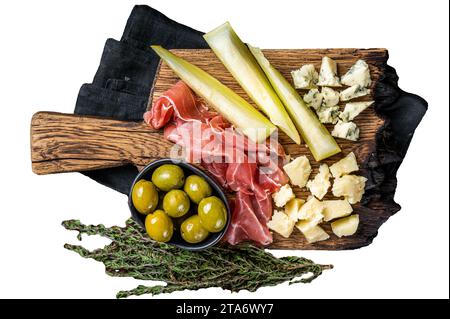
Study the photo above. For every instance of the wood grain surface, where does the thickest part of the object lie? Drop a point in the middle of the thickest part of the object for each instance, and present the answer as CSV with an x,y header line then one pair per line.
x,y
67,143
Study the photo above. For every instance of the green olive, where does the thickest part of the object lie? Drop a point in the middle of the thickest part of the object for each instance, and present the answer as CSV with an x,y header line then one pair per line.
x,y
192,230
212,213
144,197
168,177
177,222
197,188
176,203
159,226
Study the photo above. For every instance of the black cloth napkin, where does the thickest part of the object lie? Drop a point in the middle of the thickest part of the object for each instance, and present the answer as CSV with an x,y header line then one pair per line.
x,y
121,86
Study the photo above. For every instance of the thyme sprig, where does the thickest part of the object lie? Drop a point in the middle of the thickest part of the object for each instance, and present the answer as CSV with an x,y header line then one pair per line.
x,y
132,254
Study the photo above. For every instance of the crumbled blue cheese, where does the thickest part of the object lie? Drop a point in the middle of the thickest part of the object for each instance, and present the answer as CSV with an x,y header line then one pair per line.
x,y
328,73
346,130
284,195
359,74
281,224
345,166
349,186
353,109
313,98
298,171
321,183
330,97
306,77
353,92
328,114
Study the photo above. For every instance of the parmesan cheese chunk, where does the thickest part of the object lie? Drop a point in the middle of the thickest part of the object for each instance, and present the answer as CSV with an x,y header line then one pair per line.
x,y
346,130
349,186
284,195
281,224
311,210
305,225
306,77
298,171
313,234
328,73
345,166
346,226
321,182
336,208
313,98
353,92
359,74
352,110
292,208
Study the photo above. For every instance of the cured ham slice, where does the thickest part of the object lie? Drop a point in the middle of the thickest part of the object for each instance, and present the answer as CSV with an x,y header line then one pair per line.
x,y
250,170
245,226
179,100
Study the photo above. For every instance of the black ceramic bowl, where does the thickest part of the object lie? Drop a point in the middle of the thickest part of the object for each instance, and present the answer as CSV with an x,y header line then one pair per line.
x,y
188,169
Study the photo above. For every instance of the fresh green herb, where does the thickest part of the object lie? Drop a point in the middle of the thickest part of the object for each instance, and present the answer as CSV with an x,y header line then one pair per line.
x,y
132,254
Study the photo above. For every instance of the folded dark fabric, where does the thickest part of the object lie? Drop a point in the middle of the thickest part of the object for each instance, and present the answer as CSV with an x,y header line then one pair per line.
x,y
122,83
147,26
93,100
123,61
126,86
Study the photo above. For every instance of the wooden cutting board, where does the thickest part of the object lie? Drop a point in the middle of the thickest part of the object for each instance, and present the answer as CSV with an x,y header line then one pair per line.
x,y
68,143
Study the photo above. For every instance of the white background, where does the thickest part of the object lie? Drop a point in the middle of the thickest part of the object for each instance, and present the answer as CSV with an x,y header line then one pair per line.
x,y
49,48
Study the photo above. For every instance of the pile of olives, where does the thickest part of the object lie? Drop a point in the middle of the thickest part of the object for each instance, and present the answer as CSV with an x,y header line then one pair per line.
x,y
172,202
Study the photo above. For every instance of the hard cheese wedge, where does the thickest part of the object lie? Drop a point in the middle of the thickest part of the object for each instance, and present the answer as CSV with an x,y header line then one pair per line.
x,y
346,226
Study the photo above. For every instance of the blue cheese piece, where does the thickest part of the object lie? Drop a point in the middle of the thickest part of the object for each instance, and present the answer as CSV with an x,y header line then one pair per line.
x,y
281,224
313,98
284,195
353,92
328,114
306,77
345,166
321,183
359,74
328,73
346,130
351,187
330,97
353,109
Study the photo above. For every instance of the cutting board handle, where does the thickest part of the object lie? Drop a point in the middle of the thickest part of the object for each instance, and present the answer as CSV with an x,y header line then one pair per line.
x,y
68,143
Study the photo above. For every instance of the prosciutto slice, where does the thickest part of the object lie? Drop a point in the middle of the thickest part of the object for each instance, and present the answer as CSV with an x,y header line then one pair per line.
x,y
180,101
250,170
